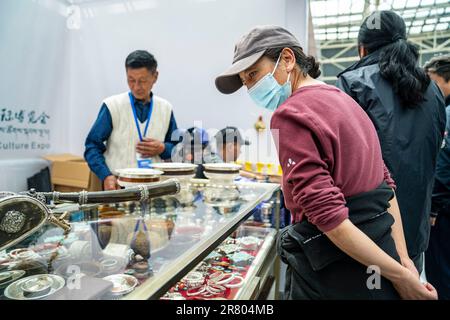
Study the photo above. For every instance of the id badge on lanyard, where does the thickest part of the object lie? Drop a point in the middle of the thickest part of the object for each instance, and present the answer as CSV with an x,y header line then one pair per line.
x,y
141,162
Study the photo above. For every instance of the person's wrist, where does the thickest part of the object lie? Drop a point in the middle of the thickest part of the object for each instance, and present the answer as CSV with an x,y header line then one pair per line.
x,y
401,276
109,180
405,259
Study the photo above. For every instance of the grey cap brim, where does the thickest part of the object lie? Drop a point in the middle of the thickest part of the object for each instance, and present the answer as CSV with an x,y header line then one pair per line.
x,y
229,81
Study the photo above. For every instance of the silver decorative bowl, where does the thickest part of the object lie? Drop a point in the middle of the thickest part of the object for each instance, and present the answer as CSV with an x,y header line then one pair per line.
x,y
221,173
177,170
37,286
130,177
221,187
34,287
8,277
122,283
184,172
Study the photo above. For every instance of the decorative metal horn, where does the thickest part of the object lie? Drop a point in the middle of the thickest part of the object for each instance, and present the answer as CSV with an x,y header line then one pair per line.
x,y
23,214
138,193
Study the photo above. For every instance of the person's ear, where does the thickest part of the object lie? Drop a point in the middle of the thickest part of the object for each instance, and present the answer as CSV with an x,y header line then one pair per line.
x,y
156,74
288,56
362,51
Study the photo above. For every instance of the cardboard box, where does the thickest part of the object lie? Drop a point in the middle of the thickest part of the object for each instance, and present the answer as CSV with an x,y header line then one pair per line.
x,y
71,173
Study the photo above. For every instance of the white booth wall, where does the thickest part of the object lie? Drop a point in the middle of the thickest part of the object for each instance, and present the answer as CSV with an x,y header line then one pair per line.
x,y
33,88
68,63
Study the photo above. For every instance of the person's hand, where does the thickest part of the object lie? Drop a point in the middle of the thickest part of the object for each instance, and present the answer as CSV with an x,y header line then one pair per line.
x,y
409,264
189,157
110,183
409,287
150,147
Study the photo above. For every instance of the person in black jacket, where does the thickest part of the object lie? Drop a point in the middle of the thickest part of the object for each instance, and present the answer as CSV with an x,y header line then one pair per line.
x,y
408,112
437,257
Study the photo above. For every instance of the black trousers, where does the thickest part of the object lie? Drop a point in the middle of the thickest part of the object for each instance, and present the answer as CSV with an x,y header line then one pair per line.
x,y
437,257
345,279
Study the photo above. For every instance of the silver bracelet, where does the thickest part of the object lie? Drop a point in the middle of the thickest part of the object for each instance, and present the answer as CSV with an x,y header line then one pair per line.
x,y
196,293
225,279
216,276
194,276
235,285
176,296
215,288
194,280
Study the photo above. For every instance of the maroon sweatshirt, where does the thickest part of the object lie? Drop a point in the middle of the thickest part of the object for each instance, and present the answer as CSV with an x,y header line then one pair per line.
x,y
328,150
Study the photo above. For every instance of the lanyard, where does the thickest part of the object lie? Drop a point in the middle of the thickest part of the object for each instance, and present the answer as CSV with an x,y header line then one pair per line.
x,y
138,127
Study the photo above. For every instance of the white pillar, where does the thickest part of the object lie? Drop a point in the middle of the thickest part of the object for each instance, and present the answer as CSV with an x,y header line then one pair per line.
x,y
297,15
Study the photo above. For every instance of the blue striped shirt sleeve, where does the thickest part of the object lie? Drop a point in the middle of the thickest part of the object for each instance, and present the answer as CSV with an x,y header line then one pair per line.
x,y
95,143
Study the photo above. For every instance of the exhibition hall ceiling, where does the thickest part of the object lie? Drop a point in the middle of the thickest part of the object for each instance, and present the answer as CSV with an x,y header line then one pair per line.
x,y
341,19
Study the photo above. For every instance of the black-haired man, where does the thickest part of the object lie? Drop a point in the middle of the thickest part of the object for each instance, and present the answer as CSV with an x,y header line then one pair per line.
x,y
137,125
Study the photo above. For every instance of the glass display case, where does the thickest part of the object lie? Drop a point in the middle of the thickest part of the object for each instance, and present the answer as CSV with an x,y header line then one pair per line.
x,y
241,268
136,250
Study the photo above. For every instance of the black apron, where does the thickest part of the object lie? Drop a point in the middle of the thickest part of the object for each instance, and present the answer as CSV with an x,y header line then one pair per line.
x,y
317,269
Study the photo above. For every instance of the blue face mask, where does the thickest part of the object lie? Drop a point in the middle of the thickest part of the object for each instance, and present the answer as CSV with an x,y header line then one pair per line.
x,y
268,93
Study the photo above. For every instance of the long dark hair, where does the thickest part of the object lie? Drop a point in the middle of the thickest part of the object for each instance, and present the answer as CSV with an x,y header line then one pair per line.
x,y
307,64
398,59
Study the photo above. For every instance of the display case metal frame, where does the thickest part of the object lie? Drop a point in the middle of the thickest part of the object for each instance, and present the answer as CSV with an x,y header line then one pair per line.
x,y
260,270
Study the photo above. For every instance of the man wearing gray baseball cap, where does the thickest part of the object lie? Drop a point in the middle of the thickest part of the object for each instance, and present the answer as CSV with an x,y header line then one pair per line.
x,y
345,214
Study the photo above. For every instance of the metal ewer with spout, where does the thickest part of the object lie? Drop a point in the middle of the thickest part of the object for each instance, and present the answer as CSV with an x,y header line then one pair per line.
x,y
23,214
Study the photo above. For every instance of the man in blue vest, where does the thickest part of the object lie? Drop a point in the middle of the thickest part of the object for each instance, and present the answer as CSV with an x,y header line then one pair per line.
x,y
137,126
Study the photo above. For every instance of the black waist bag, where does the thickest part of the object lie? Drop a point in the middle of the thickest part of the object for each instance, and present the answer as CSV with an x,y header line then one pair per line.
x,y
367,211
